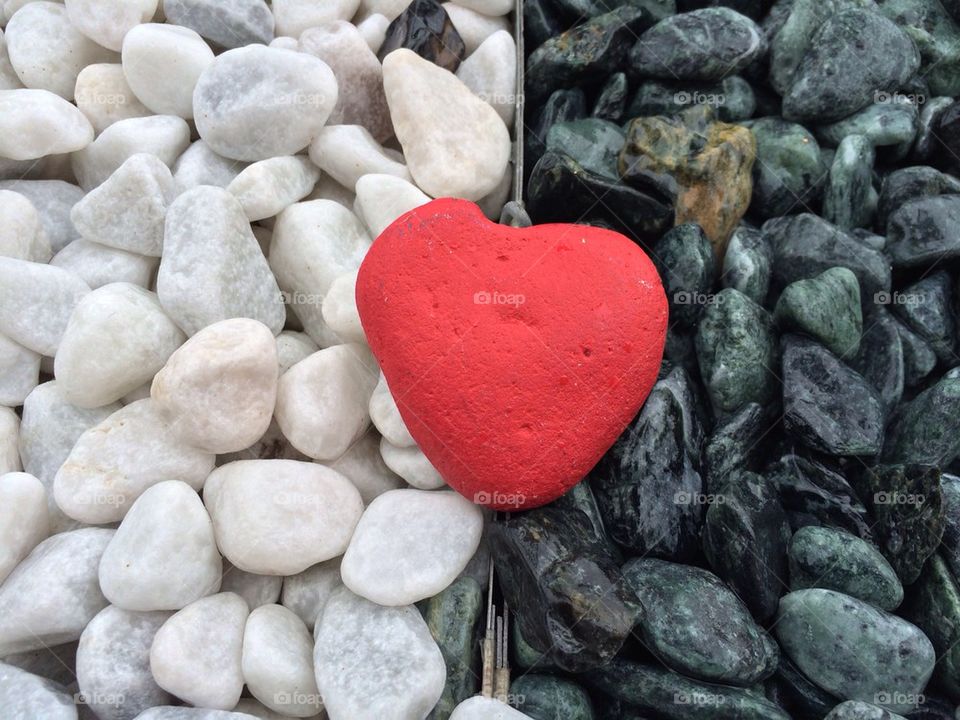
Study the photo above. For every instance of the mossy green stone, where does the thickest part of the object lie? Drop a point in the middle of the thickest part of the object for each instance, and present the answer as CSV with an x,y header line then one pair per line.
x,y
836,560
923,231
950,542
687,266
826,307
612,99
856,710
548,697
595,144
926,307
747,264
789,173
927,430
937,37
849,199
910,183
733,98
852,649
453,618
892,122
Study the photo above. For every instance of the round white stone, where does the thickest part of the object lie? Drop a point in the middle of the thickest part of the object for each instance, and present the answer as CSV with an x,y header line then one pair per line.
x,y
364,466
19,372
98,265
22,235
163,556
322,401
390,9
455,144
491,73
23,518
292,347
412,465
107,22
396,669
255,102
278,662
348,152
46,49
53,199
381,199
53,593
212,267
117,338
200,165
115,461
340,309
279,517
230,24
482,708
25,695
373,30
329,189
113,663
307,592
268,186
218,390
386,416
196,655
169,712
295,16
104,96
410,545
474,27
162,64
35,123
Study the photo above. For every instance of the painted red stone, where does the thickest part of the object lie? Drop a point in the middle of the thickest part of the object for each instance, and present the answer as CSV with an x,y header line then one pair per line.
x,y
516,356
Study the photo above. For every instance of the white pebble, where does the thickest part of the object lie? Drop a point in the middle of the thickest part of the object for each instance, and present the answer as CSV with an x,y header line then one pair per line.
x,y
196,655
307,592
279,517
118,337
107,22
386,416
212,267
364,466
115,461
22,235
35,123
25,695
491,73
278,662
228,24
348,152
340,309
373,30
200,165
218,390
482,708
412,465
9,437
53,199
381,199
268,186
474,27
53,593
285,43
355,633
330,189
36,301
19,372
322,401
104,96
390,9
454,143
168,712
23,518
8,76
98,265
295,16
256,102
410,545
292,347
162,64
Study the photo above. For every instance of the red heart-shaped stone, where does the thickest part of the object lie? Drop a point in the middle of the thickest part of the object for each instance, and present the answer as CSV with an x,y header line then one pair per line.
x,y
516,356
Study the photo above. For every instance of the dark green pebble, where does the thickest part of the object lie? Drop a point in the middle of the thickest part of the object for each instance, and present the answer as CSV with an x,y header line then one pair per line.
x,y
548,697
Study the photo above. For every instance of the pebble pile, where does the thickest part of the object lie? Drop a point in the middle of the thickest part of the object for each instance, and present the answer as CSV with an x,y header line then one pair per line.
x,y
210,508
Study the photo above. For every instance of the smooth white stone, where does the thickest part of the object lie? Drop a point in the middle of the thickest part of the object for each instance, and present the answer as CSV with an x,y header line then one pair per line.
x,y
34,123
118,337
364,466
491,73
454,143
188,713
279,517
268,186
313,243
262,712
474,27
115,461
348,152
219,389
295,16
23,518
56,663
22,235
367,638
8,76
113,663
322,401
162,64
50,428
53,593
212,267
19,372
278,662
373,30
9,437
307,592
381,199
36,301
390,9
410,545
229,24
98,265
53,199
163,556
196,655
256,102
47,51
104,96
256,590
107,22
292,347
360,100
481,708
165,136
386,416
340,309
329,189
26,696
285,43
492,205
200,165
412,465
